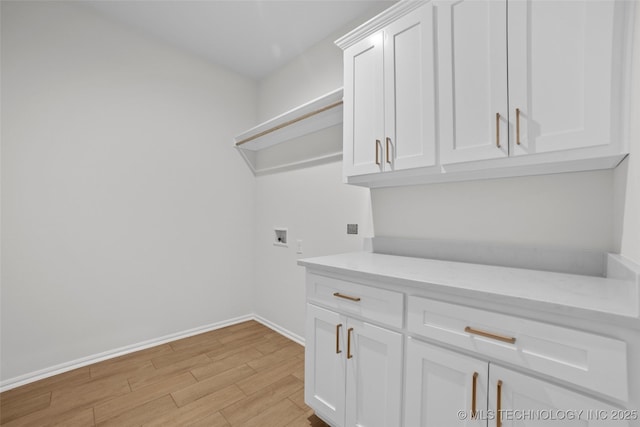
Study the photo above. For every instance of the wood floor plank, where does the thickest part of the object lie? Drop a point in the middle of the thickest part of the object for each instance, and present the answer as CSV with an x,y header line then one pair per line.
x,y
309,419
149,376
297,397
86,395
66,379
213,420
128,361
278,415
246,336
77,419
47,417
219,366
227,350
140,414
256,403
201,409
245,374
265,378
125,368
10,409
202,339
298,372
273,344
241,330
202,388
185,353
289,351
114,407
230,330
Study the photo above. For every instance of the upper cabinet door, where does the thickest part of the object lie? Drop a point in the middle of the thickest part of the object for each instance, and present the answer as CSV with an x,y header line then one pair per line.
x,y
363,107
560,74
410,128
472,72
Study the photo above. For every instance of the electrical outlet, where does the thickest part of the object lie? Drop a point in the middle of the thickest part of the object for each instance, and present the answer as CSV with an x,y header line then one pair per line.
x,y
352,228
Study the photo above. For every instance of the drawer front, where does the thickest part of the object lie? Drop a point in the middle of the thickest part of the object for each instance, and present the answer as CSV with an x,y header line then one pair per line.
x,y
379,305
588,360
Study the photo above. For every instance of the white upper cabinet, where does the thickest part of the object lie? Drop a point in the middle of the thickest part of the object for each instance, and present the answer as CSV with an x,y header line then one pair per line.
x,y
389,86
409,73
363,99
561,66
472,57
495,88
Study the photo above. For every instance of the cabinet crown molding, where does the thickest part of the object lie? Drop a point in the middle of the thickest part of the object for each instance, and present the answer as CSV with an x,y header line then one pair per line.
x,y
378,22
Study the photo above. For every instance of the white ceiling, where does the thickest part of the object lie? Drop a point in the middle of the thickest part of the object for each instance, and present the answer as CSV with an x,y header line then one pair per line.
x,y
252,37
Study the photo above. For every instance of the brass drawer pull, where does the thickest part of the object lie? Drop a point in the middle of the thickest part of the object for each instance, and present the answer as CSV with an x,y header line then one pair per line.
x,y
474,413
498,130
338,326
378,152
510,340
518,126
388,150
499,404
339,295
349,355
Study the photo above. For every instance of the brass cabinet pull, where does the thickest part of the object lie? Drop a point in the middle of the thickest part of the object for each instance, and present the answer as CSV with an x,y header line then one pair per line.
x,y
474,385
339,295
349,355
378,152
518,126
498,130
510,340
388,143
499,405
338,351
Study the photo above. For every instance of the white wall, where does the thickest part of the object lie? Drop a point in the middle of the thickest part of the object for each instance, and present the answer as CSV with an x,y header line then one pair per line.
x,y
316,72
127,215
315,206
573,210
627,176
312,202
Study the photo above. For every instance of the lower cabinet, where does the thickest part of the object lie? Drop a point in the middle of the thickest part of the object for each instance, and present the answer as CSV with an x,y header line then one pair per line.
x,y
353,370
382,356
441,383
521,400
447,388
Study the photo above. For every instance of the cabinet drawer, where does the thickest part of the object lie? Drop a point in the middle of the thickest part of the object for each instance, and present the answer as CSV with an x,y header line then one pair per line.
x,y
380,305
588,360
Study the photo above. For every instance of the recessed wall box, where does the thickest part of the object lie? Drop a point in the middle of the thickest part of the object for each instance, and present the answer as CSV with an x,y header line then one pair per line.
x,y
280,235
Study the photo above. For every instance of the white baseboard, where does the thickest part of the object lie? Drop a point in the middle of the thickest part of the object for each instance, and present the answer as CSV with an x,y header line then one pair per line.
x,y
279,329
84,361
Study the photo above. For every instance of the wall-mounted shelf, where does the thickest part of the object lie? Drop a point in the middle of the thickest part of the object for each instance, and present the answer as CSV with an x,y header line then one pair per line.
x,y
317,114
311,133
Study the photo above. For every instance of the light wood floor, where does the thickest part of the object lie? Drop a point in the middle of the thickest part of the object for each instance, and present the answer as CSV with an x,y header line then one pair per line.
x,y
242,375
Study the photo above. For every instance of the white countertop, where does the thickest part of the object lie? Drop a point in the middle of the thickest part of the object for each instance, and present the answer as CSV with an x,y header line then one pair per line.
x,y
618,298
